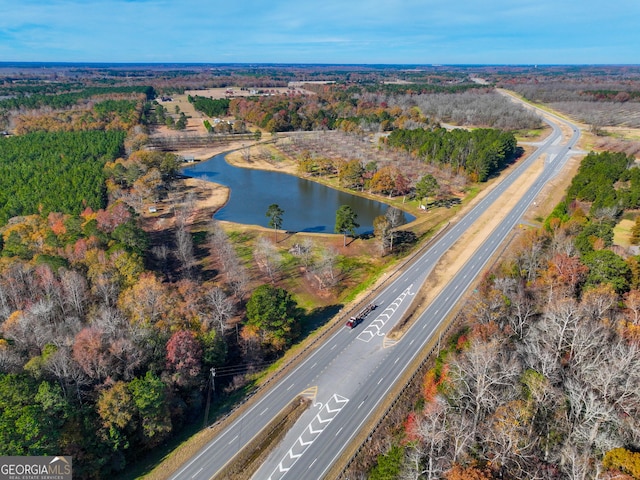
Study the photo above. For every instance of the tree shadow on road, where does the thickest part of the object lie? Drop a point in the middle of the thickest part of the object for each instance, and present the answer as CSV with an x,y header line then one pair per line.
x,y
318,317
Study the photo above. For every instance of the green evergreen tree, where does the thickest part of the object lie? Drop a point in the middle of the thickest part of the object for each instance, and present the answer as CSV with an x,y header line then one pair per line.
x,y
346,222
274,212
273,312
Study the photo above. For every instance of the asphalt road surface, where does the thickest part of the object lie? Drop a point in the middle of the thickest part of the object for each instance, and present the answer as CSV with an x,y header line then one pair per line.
x,y
352,371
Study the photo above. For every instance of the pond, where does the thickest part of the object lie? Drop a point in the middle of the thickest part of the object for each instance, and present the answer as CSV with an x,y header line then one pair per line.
x,y
308,206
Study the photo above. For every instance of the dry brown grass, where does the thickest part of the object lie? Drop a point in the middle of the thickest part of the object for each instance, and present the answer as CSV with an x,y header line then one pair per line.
x,y
622,233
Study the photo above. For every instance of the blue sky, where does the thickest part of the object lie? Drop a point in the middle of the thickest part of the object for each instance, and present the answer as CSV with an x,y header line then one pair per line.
x,y
327,31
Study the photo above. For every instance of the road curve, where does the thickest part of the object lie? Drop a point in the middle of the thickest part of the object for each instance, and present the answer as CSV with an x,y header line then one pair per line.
x,y
351,372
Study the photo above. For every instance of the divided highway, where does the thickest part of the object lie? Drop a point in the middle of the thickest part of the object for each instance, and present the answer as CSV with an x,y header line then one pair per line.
x,y
352,371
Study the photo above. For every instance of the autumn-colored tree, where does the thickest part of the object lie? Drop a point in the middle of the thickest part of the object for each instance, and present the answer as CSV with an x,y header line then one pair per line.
x,y
634,268
129,266
383,181
91,352
113,216
598,302
351,174
568,271
411,427
188,305
306,164
184,354
116,409
508,435
432,380
529,253
635,232
145,301
624,460
56,223
458,472
632,302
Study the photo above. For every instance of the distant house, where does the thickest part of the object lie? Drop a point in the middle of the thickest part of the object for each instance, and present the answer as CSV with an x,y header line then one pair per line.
x,y
188,158
153,209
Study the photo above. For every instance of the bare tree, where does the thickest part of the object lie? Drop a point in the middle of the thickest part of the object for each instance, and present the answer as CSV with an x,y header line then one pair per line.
x,y
522,311
431,457
23,329
267,257
5,309
598,302
239,279
74,286
325,268
396,218
105,285
126,358
577,464
161,253
632,302
67,371
307,252
184,248
483,377
222,308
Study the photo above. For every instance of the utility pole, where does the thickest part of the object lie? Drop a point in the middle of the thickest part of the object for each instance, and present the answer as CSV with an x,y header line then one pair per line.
x,y
213,381
211,385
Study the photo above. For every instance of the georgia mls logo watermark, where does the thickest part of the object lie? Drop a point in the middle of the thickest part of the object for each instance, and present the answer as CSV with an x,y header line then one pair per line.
x,y
35,468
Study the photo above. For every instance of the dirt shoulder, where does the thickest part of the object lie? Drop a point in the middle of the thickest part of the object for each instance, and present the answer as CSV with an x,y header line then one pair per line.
x,y
452,261
470,241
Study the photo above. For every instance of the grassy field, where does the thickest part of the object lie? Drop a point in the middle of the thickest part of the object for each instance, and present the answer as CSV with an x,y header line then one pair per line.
x,y
622,233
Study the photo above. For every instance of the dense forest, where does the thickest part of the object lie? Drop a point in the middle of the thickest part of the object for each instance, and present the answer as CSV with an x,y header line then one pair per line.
x,y
209,106
63,100
480,153
55,172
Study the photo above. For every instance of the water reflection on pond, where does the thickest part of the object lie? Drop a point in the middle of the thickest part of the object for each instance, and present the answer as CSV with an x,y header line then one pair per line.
x,y
308,206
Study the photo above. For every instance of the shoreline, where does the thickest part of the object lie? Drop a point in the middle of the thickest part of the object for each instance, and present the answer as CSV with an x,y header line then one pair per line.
x,y
212,196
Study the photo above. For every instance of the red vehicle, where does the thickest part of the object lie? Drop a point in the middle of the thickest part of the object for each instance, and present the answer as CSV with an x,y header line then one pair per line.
x,y
353,321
